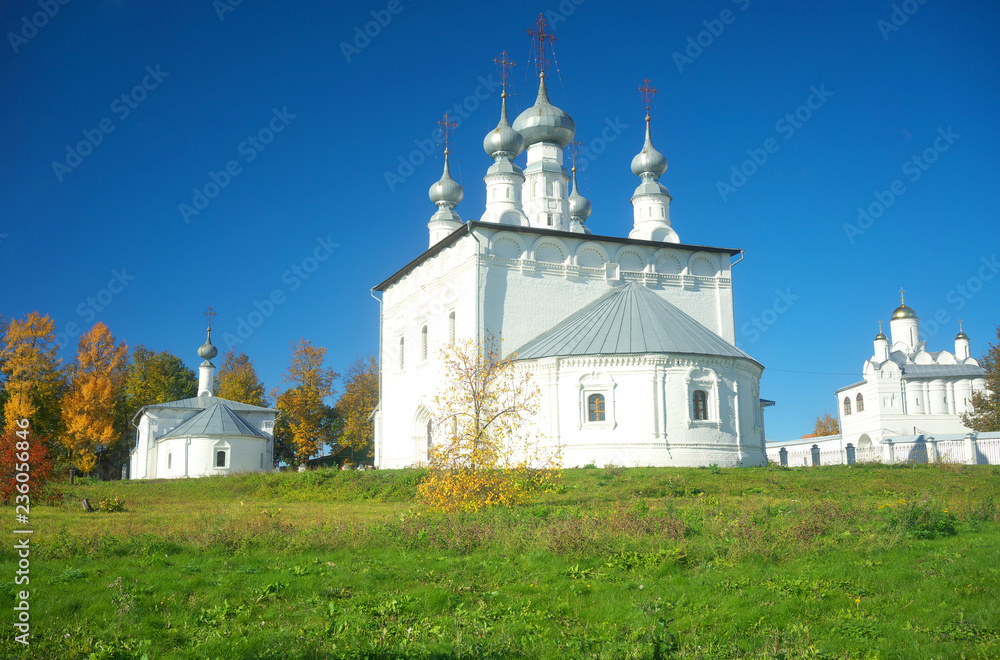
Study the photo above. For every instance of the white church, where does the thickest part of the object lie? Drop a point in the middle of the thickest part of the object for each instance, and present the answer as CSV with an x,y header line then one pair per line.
x,y
907,390
203,435
907,407
631,340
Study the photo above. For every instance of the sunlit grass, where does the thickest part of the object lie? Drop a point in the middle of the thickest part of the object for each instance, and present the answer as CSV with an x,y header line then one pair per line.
x,y
874,562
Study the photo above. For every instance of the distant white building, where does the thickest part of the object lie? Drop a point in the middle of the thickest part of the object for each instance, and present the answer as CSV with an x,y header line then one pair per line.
x,y
907,390
203,435
630,340
907,408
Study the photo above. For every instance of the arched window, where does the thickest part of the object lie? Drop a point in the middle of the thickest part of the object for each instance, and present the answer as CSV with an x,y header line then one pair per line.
x,y
262,461
861,402
700,402
451,327
423,343
847,405
401,346
220,459
595,408
169,460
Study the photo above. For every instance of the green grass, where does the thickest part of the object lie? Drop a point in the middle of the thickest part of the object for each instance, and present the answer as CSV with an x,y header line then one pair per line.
x,y
832,562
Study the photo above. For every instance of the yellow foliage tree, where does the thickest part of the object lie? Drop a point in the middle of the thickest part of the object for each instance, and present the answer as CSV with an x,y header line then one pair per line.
x,y
482,453
96,391
826,425
357,403
35,380
305,422
237,381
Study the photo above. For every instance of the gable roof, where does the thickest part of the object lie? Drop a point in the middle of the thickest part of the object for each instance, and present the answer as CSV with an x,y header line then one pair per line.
x,y
628,319
938,370
217,419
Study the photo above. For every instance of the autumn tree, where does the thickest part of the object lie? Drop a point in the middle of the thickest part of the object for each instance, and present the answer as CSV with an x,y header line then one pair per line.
x,y
18,446
482,453
985,415
826,425
356,405
95,393
237,381
34,380
305,421
156,378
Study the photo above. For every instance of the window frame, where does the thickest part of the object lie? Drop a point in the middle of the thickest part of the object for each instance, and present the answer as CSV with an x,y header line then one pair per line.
x,y
596,408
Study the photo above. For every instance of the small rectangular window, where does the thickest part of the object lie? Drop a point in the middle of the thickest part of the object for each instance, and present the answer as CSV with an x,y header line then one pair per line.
x,y
220,459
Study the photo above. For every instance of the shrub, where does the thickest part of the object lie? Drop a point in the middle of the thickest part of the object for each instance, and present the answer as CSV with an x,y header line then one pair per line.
x,y
17,452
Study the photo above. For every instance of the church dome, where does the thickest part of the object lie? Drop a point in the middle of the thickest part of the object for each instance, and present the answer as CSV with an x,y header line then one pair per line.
x,y
649,160
543,122
904,312
881,335
446,189
579,206
961,335
503,139
207,351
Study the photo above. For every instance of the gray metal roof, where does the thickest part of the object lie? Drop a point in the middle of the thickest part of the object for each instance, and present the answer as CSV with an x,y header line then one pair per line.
x,y
628,319
201,402
847,387
938,370
217,419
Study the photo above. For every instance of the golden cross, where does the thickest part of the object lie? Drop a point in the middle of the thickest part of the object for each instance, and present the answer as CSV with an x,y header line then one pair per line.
x,y
647,93
209,314
446,125
902,301
505,65
540,35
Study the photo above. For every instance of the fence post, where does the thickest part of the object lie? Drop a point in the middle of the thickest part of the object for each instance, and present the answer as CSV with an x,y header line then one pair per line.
x,y
783,456
815,455
849,450
970,449
932,452
892,452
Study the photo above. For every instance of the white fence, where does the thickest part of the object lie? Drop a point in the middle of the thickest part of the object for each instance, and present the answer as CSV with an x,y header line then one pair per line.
x,y
968,450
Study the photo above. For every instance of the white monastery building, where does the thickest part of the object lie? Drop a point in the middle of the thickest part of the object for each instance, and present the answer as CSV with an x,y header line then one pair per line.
x,y
908,406
631,340
203,435
907,390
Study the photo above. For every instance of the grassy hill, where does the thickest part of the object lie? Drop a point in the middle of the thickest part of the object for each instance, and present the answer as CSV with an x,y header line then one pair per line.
x,y
832,562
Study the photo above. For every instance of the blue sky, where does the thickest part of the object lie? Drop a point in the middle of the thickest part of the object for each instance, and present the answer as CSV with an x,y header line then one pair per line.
x,y
167,96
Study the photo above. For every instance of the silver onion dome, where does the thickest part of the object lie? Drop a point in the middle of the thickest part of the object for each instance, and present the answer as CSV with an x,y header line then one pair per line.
x,y
649,160
579,206
543,122
503,141
207,351
446,190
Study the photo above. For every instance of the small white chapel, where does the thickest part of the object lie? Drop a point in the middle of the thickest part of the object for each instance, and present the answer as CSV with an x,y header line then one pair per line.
x,y
202,435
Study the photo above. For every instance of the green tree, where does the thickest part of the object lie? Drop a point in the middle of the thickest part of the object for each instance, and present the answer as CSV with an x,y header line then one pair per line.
x,y
305,422
35,382
237,381
985,415
156,378
356,404
826,425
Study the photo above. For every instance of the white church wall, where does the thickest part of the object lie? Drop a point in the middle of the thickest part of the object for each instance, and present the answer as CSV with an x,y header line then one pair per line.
x,y
426,297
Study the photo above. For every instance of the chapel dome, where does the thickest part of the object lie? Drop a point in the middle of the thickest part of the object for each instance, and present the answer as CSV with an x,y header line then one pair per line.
x,y
649,160
544,122
904,312
503,139
446,189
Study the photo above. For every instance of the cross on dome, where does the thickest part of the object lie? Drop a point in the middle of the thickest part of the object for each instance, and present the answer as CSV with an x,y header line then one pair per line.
x,y
540,34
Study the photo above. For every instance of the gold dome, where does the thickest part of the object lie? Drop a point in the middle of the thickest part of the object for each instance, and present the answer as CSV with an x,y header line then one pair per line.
x,y
904,312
